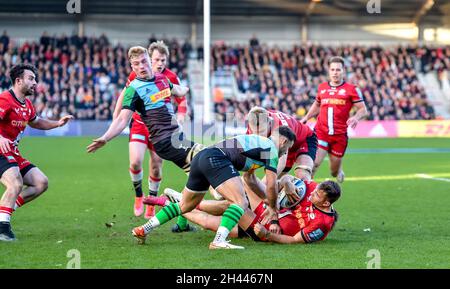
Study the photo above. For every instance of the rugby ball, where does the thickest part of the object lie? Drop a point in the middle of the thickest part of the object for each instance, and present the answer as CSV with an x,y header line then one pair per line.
x,y
283,201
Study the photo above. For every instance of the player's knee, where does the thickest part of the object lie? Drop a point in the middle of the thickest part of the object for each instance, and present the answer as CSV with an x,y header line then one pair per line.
x,y
136,165
42,184
187,207
303,174
242,202
15,187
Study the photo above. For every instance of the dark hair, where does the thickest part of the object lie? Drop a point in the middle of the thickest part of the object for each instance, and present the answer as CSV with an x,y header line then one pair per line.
x,y
336,59
331,189
18,70
287,132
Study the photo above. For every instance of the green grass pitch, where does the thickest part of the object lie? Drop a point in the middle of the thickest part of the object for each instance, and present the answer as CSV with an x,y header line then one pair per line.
x,y
385,206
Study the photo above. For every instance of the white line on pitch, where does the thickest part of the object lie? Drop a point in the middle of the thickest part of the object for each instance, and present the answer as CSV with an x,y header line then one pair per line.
x,y
425,176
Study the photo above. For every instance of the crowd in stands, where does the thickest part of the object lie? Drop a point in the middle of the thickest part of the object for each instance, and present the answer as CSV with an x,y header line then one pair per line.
x,y
81,76
287,79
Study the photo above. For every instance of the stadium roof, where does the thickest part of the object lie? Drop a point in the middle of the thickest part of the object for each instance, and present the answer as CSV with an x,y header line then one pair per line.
x,y
390,9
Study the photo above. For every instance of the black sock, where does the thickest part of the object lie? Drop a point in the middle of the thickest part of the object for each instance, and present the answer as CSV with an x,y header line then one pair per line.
x,y
138,188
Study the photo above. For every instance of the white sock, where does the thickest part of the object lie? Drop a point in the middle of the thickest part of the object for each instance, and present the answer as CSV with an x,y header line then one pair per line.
x,y
221,235
5,217
153,184
136,177
150,225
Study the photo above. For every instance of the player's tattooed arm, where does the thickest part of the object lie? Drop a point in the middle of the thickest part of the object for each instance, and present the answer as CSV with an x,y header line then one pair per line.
x,y
46,124
179,91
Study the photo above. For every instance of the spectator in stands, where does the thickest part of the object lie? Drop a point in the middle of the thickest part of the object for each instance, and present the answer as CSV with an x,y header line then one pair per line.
x,y
287,79
78,75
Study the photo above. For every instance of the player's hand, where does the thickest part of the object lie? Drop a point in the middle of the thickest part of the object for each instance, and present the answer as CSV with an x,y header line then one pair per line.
x,y
260,231
65,119
304,120
5,145
181,118
275,229
352,122
268,215
96,144
291,192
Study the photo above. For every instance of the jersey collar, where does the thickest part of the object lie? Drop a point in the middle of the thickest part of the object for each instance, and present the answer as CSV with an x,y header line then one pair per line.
x,y
146,80
331,214
11,91
329,84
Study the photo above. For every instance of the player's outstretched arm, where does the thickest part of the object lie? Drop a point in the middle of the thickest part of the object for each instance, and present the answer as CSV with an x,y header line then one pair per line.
x,y
46,124
116,127
179,91
262,232
118,106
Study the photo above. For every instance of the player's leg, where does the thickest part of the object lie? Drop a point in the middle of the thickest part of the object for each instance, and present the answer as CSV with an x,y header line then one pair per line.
x,y
36,183
137,153
12,180
335,166
181,151
337,151
320,156
233,191
196,187
154,179
305,160
304,167
189,201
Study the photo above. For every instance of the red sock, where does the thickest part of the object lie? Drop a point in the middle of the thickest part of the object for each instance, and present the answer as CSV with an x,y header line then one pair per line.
x,y
19,202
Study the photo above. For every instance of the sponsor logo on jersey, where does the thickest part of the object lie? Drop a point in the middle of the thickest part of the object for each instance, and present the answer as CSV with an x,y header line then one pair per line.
x,y
323,91
334,101
316,235
19,123
160,95
341,92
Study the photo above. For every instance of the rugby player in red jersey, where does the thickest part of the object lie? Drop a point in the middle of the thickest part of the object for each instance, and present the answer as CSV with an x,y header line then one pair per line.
x,y
16,112
302,154
139,137
311,220
333,104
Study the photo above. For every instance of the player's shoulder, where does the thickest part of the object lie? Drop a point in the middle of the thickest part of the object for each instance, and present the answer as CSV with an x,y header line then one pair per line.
x,y
324,85
167,72
28,102
172,76
132,76
5,94
310,185
349,86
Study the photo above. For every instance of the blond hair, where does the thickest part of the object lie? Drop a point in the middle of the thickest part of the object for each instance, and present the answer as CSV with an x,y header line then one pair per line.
x,y
258,119
136,51
160,46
